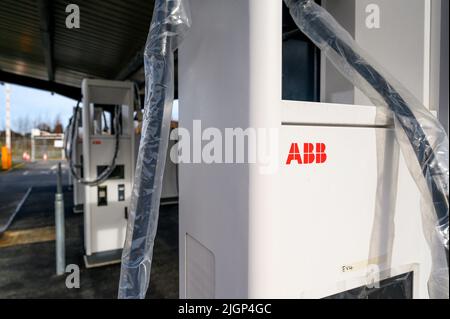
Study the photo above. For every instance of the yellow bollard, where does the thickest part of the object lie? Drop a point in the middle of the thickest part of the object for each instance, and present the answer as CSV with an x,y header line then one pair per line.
x,y
6,158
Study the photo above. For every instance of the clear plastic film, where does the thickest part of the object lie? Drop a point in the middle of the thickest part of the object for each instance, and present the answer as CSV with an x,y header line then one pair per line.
x,y
422,139
171,19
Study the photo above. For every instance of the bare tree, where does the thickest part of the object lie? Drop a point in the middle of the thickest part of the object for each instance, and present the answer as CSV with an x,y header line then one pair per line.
x,y
58,127
23,125
27,124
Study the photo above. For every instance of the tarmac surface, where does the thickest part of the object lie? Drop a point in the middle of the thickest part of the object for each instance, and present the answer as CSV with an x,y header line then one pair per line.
x,y
27,248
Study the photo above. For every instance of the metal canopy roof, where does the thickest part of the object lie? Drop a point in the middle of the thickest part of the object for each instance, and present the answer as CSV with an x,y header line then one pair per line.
x,y
38,50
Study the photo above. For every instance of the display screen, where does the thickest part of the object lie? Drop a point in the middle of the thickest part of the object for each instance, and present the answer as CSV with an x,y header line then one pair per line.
x,y
117,173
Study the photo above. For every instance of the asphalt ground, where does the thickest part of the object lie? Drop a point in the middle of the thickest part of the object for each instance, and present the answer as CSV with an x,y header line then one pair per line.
x,y
27,248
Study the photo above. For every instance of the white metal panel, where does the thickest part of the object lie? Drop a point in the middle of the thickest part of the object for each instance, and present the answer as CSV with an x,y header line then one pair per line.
x,y
200,270
330,114
326,213
403,45
214,87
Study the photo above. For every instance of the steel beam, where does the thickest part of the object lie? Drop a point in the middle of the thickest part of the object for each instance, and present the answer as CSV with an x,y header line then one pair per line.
x,y
46,27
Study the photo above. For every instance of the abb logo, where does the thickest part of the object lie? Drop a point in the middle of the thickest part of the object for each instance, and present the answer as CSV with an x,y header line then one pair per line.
x,y
312,153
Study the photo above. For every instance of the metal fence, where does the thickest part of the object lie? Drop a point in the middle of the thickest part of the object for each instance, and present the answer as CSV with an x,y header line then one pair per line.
x,y
46,147
19,145
37,148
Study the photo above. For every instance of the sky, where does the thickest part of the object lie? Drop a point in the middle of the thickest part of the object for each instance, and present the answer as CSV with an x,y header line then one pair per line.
x,y
35,104
40,106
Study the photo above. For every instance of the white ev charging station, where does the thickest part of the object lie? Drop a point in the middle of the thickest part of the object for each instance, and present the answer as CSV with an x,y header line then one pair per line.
x,y
108,144
310,230
104,144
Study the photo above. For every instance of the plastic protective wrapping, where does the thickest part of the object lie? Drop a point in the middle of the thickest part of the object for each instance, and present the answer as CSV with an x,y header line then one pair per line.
x,y
171,19
421,137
